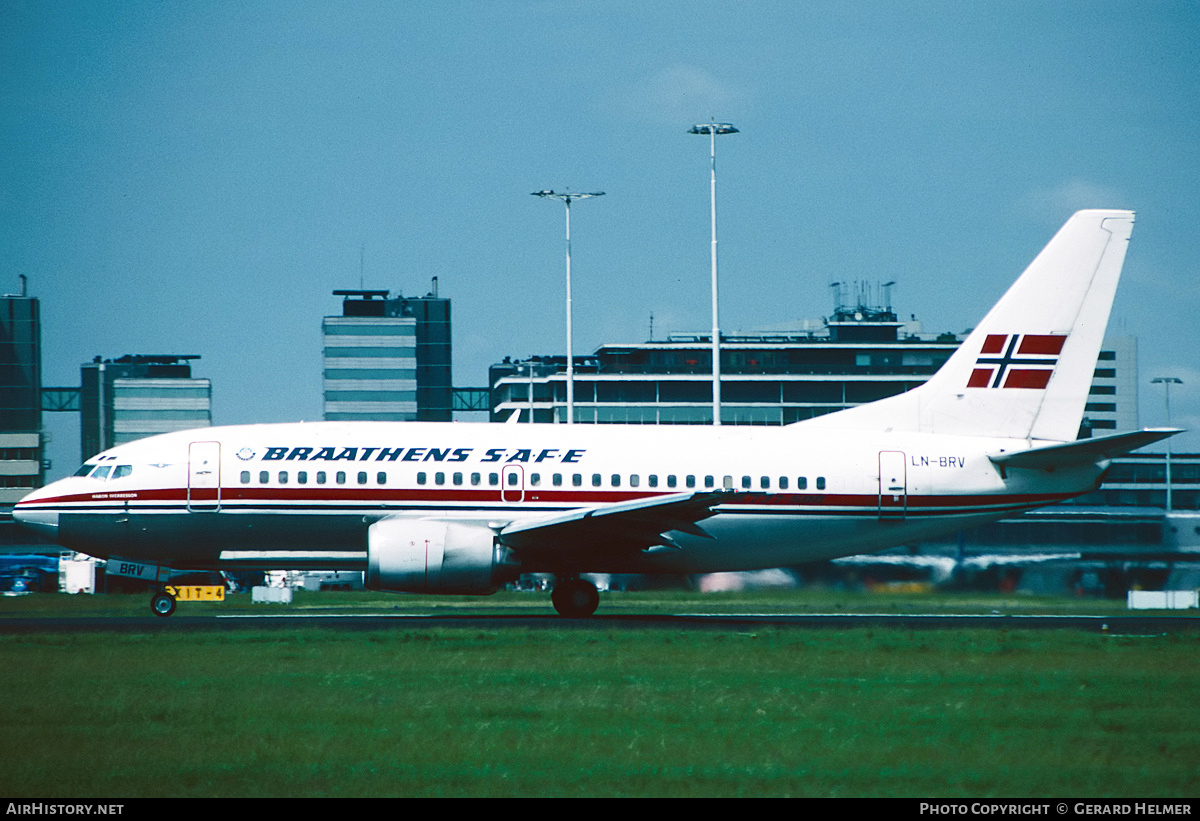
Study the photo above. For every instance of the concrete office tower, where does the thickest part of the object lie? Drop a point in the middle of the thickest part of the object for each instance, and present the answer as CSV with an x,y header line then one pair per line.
x,y
20,396
137,396
387,359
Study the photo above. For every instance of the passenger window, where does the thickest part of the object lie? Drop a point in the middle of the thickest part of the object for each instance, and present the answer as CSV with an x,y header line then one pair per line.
x,y
691,481
421,478
765,483
596,480
652,480
302,477
670,480
264,478
820,483
340,478
381,478
577,479
476,479
513,479
783,482
727,482
245,477
616,480
362,477
535,479
320,477
802,483
283,477
439,478
634,480
745,483
709,482
557,480
458,478
493,479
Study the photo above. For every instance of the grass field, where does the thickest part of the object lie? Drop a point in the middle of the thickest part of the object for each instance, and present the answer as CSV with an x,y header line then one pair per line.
x,y
596,712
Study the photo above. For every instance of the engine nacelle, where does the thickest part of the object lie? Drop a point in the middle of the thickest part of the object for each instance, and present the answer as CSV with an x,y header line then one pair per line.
x,y
426,556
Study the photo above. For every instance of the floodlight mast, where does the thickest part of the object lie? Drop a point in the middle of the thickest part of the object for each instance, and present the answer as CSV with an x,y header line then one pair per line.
x,y
712,130
1167,382
567,198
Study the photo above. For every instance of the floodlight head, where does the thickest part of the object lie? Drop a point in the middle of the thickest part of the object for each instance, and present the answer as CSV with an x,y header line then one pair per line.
x,y
713,128
568,196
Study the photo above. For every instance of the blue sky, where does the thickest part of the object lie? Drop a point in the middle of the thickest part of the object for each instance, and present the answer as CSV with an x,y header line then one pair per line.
x,y
197,177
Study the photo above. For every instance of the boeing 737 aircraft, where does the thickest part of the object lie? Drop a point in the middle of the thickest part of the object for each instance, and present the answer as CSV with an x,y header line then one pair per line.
x,y
465,508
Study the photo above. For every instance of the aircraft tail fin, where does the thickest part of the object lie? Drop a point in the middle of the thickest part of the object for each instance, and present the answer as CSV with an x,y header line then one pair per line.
x,y
1026,370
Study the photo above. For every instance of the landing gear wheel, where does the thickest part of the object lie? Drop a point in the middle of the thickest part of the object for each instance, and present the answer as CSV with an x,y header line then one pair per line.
x,y
163,604
575,598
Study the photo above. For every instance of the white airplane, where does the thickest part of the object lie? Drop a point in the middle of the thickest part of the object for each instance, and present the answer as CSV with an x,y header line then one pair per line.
x,y
465,508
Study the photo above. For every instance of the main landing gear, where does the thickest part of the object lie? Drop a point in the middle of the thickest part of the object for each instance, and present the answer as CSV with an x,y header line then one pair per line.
x,y
574,597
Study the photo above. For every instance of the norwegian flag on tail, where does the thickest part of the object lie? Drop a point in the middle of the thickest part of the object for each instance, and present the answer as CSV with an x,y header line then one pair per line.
x,y
1016,361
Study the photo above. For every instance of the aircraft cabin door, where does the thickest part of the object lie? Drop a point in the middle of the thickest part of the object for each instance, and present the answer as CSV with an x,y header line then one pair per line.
x,y
512,488
893,484
204,476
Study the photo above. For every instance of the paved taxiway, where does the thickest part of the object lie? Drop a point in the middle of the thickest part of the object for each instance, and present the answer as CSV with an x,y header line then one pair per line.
x,y
1117,625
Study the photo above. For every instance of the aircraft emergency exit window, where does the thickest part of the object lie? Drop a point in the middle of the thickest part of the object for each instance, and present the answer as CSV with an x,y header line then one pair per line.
x,y
820,483
320,477
122,470
283,477
340,478
421,478
245,477
84,470
264,477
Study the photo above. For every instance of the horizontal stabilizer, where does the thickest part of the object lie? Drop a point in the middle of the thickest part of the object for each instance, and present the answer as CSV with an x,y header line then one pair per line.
x,y
1082,451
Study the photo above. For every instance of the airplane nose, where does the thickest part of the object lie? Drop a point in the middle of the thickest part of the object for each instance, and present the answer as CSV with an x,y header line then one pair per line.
x,y
41,521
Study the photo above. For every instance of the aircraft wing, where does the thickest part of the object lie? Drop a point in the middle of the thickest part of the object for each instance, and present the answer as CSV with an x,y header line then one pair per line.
x,y
1082,451
607,529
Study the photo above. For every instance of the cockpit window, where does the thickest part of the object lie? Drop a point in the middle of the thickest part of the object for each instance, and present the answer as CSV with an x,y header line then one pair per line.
x,y
84,470
122,470
102,472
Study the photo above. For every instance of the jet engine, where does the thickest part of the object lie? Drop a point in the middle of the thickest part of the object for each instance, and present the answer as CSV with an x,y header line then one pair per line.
x,y
429,556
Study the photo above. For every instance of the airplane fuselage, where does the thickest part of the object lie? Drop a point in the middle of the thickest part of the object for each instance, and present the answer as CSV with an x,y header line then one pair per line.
x,y
305,495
